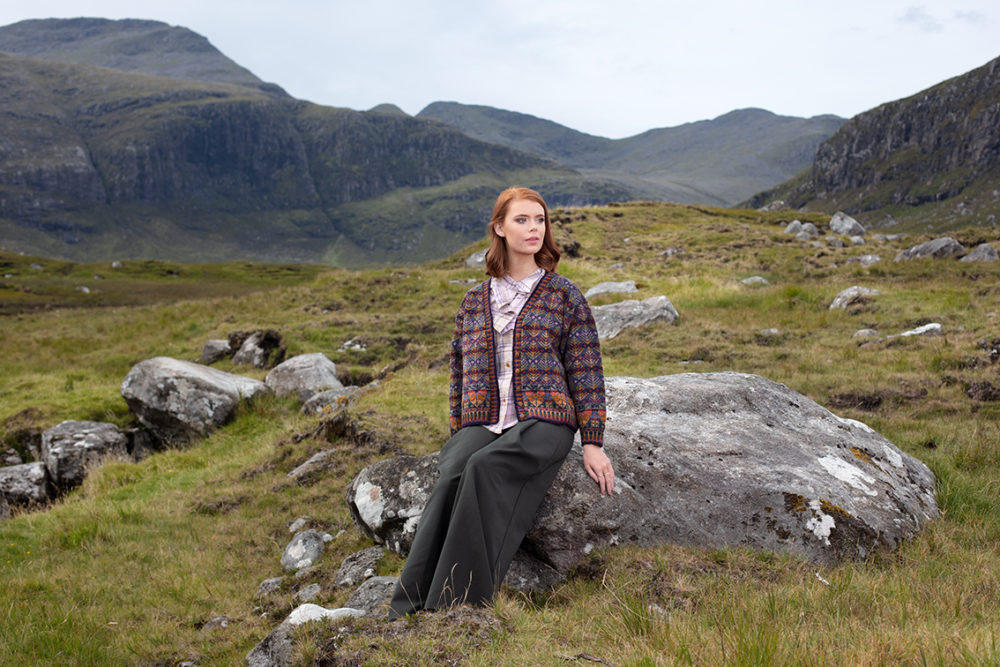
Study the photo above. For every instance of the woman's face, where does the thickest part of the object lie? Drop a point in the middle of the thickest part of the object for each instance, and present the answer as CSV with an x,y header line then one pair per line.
x,y
523,228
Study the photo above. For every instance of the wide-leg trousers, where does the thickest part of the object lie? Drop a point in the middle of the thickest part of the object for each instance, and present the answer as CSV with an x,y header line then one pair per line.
x,y
476,516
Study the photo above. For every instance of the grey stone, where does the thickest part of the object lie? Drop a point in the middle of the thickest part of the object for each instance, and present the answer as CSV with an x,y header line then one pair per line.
x,y
857,240
261,349
737,460
180,401
358,566
10,457
275,650
843,224
476,260
25,484
851,296
810,229
373,595
216,622
298,524
615,317
329,400
315,466
5,512
932,329
834,242
214,350
803,236
140,442
940,248
623,287
770,332
865,260
304,550
983,252
756,280
269,586
865,333
307,593
386,498
303,376
793,227
528,573
670,252
72,448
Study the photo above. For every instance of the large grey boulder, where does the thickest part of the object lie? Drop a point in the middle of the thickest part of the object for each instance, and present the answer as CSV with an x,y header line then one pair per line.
x,y
303,376
70,449
730,459
843,224
180,401
612,319
623,287
386,498
25,484
983,252
940,248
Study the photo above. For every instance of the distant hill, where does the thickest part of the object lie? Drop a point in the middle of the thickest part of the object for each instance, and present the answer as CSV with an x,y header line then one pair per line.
x,y
933,158
102,163
720,161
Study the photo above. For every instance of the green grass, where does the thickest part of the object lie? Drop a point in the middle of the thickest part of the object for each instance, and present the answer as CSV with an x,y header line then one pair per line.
x,y
130,567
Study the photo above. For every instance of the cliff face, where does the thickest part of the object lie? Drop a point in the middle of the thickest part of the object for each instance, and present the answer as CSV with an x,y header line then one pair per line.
x,y
901,157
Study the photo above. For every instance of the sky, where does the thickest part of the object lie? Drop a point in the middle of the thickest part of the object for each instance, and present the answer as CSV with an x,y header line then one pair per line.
x,y
611,68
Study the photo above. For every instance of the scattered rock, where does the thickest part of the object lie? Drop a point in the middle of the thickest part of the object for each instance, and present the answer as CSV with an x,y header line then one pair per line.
x,y
25,484
352,345
865,260
315,467
834,242
769,332
373,596
983,252
269,586
670,252
214,350
180,401
10,457
303,375
793,227
70,449
756,280
803,236
940,248
857,240
304,549
851,296
307,593
983,390
217,622
626,287
843,224
260,349
476,260
275,650
329,400
298,524
865,333
358,567
739,460
810,229
932,329
615,317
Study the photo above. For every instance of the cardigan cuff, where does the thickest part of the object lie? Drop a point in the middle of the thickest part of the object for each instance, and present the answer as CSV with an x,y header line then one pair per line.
x,y
592,436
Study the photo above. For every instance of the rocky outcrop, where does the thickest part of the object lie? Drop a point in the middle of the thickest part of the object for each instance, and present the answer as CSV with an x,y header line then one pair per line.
x,y
712,460
70,449
25,484
179,400
845,225
303,376
612,319
852,296
983,252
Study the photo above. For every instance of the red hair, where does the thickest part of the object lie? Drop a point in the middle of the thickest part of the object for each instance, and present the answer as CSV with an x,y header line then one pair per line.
x,y
547,256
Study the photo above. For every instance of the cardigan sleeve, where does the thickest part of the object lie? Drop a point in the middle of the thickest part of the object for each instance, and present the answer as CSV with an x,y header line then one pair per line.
x,y
584,371
455,386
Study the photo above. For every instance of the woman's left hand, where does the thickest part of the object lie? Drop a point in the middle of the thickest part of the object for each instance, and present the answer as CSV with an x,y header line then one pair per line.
x,y
598,466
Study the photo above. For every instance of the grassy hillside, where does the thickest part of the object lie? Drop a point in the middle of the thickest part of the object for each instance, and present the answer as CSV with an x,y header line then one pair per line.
x,y
130,568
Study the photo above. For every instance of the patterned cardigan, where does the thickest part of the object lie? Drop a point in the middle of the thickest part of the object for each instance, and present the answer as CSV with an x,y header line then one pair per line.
x,y
557,361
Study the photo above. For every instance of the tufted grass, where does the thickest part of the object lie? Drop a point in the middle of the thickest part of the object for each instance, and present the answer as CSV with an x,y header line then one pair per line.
x,y
131,566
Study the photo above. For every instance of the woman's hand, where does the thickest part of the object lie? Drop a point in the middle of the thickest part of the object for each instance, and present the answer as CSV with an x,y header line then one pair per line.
x,y
598,466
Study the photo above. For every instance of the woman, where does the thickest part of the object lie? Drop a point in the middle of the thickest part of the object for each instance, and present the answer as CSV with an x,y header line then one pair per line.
x,y
525,375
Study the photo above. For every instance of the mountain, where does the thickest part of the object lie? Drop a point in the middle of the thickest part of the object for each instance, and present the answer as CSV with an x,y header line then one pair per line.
x,y
101,163
720,161
132,45
933,158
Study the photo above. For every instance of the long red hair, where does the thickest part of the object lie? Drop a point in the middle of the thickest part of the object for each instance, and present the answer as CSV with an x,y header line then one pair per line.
x,y
547,256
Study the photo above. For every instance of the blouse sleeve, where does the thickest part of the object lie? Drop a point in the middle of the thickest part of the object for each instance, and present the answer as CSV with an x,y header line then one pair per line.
x,y
584,372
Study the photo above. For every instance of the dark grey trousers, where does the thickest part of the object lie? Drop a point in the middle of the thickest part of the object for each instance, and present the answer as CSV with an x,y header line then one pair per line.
x,y
475,518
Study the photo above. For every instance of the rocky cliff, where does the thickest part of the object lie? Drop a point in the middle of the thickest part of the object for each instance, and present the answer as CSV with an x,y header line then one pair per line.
x,y
935,155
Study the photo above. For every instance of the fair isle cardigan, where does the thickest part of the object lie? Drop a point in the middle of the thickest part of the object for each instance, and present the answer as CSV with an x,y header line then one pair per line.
x,y
558,376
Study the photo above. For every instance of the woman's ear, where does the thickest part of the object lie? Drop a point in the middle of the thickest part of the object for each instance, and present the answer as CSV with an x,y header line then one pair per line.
x,y
499,230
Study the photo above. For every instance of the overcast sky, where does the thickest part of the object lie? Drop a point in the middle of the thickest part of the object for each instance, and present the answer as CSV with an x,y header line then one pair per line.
x,y
612,68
